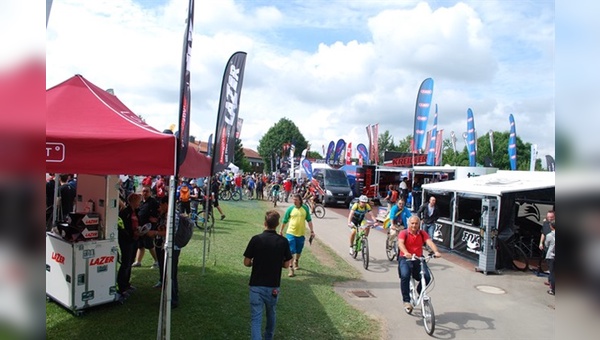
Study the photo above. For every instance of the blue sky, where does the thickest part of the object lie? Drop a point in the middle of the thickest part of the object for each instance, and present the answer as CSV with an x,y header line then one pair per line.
x,y
332,67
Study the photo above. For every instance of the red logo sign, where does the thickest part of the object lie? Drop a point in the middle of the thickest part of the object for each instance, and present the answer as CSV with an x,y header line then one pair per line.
x,y
102,260
58,258
407,161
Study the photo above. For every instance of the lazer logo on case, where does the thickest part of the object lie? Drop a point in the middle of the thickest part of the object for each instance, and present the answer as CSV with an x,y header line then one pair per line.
x,y
102,260
58,258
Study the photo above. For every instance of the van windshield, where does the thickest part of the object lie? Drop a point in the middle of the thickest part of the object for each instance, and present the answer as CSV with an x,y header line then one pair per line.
x,y
336,179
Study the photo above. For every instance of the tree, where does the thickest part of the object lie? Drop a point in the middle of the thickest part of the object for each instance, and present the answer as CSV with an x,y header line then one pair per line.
x,y
499,158
271,144
239,157
313,155
404,145
385,142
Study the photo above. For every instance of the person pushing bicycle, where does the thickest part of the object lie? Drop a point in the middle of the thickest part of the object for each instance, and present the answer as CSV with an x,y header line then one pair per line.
x,y
356,217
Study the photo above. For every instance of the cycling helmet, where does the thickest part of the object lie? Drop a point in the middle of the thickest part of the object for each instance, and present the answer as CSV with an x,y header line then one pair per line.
x,y
363,199
192,182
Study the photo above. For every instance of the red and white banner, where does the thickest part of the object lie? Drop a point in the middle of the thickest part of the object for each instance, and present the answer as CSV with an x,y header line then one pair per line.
x,y
349,154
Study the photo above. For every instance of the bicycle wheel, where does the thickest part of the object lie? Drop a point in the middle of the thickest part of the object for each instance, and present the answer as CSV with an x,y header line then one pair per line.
x,y
225,195
319,211
390,249
365,252
211,219
428,317
519,259
235,195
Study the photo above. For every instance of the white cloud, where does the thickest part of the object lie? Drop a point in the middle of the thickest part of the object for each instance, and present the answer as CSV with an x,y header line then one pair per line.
x,y
332,70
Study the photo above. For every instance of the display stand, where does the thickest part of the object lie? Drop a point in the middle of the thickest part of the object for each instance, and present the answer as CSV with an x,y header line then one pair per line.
x,y
81,268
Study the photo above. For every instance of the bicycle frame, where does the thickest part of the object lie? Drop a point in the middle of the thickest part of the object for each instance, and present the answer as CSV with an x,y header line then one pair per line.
x,y
421,298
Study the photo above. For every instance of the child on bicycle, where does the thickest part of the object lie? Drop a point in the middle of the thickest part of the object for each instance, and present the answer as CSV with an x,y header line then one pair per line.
x,y
356,217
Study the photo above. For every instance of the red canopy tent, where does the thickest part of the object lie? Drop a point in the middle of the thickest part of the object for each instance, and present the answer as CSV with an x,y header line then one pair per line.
x,y
90,131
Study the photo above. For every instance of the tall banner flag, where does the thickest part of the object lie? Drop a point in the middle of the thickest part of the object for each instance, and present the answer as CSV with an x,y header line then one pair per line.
x,y
432,141
329,152
307,166
238,129
533,157
209,145
439,141
453,139
362,152
163,330
512,143
229,103
375,135
550,164
471,138
422,114
349,154
491,133
185,94
370,153
339,148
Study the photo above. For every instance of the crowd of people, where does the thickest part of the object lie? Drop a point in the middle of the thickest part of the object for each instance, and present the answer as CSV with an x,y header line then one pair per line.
x,y
142,226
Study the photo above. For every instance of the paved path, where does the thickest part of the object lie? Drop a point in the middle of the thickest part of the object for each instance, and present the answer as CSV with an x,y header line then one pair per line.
x,y
522,310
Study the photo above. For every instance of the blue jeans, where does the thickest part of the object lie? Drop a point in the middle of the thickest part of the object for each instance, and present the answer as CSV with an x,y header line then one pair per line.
x,y
429,228
262,297
405,270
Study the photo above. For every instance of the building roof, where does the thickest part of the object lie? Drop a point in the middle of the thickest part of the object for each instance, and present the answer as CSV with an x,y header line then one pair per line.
x,y
249,153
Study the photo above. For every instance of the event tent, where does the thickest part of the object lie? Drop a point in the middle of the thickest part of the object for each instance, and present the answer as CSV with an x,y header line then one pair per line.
x,y
90,131
499,183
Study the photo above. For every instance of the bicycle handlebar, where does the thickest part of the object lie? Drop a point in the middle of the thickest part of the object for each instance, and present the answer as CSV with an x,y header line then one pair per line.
x,y
428,257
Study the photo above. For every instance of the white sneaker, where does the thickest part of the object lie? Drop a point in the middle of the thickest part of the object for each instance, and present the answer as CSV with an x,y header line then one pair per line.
x,y
154,265
351,252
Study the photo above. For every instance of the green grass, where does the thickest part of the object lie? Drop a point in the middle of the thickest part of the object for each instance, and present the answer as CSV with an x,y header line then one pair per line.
x,y
215,305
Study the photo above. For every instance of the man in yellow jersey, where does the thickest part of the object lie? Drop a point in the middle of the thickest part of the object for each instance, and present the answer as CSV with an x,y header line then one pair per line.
x,y
296,215
356,218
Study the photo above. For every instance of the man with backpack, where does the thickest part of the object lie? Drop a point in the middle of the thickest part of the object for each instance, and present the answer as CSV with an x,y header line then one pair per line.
x,y
184,192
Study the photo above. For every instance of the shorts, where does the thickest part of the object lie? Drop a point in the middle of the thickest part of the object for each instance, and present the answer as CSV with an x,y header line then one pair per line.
x,y
145,242
296,243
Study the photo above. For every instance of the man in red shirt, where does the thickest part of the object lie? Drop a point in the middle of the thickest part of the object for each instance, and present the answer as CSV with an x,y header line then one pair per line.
x,y
287,187
238,184
410,242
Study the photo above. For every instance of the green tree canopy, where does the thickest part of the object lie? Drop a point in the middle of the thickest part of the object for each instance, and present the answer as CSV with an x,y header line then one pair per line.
x,y
499,157
239,157
272,142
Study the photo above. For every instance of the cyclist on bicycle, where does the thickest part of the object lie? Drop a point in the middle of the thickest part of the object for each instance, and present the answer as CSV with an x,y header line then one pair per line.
x,y
398,219
410,243
275,188
356,217
313,191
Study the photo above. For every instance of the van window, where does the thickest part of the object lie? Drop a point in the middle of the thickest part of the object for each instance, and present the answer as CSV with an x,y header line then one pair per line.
x,y
336,179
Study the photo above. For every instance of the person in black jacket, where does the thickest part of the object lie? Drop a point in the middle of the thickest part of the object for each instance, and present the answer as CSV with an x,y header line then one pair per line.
x,y
429,213
128,235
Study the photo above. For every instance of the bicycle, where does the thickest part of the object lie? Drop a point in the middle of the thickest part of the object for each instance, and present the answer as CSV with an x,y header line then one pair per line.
x,y
198,218
316,208
229,194
421,298
391,245
361,243
517,256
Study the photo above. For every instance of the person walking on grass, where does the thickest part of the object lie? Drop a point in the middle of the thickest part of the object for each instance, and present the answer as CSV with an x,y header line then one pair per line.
x,y
266,253
297,216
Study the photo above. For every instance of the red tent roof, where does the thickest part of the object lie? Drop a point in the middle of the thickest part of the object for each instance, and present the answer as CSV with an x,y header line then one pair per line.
x,y
90,131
